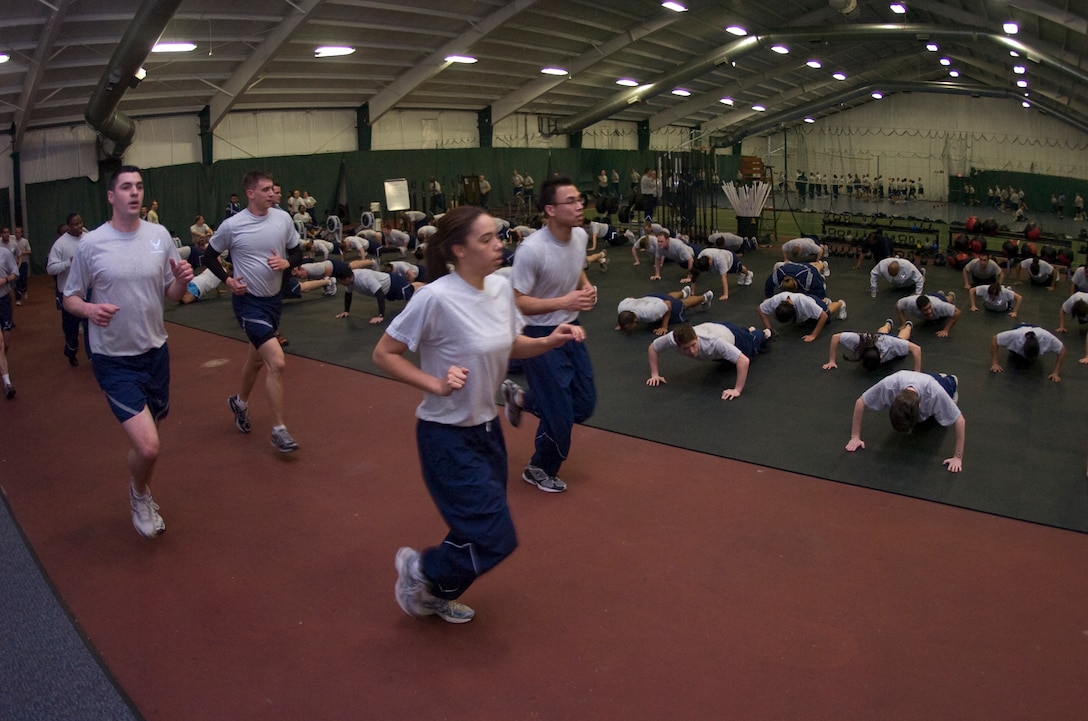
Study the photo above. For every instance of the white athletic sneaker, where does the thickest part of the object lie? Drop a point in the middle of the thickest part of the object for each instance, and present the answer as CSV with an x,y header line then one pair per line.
x,y
686,290
707,297
145,514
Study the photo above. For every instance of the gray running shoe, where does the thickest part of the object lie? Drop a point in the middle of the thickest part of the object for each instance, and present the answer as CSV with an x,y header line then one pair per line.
x,y
283,441
145,514
510,391
409,587
241,415
540,479
448,611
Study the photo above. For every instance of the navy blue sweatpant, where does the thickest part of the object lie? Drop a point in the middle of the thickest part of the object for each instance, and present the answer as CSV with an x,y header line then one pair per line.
x,y
561,393
465,471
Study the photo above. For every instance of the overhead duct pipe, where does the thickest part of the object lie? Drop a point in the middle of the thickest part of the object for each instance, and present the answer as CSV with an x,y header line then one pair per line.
x,y
116,128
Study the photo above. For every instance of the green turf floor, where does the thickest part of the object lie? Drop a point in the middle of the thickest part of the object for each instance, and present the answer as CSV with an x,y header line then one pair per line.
x,y
1025,450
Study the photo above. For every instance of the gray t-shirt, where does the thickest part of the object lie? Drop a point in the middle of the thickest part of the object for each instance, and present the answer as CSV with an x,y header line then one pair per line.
x,y
941,309
544,267
368,281
720,260
807,309
251,240
675,250
934,401
132,272
60,258
889,346
1014,339
646,308
451,323
716,342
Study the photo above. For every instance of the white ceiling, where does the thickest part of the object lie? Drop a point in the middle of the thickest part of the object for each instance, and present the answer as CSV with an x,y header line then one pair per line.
x,y
259,55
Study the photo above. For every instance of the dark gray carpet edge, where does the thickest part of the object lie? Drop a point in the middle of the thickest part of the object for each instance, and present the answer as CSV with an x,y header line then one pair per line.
x,y
48,669
1021,461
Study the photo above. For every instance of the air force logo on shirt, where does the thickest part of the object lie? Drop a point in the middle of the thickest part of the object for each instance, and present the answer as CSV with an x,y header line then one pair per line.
x,y
156,245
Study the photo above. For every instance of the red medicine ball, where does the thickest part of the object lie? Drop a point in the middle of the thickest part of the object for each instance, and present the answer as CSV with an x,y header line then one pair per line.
x,y
1032,231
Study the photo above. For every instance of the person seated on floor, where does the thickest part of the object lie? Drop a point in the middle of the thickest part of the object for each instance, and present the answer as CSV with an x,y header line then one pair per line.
x,y
982,271
930,307
1025,342
804,249
998,298
673,249
801,308
659,309
900,272
914,397
713,341
302,215
875,349
1039,272
796,278
722,262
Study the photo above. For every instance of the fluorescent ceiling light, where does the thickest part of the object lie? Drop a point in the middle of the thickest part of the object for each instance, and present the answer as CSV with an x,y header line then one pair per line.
x,y
898,8
1026,104
1019,69
682,92
877,95
1021,83
810,120
554,71
674,6
736,30
780,49
141,73
4,57
726,101
759,108
953,73
932,47
332,51
173,48
814,64
1010,28
1014,54
946,62
839,76
463,59
627,82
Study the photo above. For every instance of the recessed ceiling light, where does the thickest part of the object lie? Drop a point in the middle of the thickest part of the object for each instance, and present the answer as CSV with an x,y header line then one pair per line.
x,y
1010,28
1014,54
173,48
932,47
736,30
1025,103
877,95
780,49
810,120
463,59
4,57
627,82
332,51
1019,69
953,73
726,101
946,62
682,92
554,71
898,8
674,6
1021,83
814,64
759,108
839,76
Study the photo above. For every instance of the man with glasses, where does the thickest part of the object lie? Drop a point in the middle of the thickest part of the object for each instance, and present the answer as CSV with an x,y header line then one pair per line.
x,y
550,287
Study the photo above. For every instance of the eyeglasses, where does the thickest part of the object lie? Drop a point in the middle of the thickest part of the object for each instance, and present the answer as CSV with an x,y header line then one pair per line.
x,y
572,201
